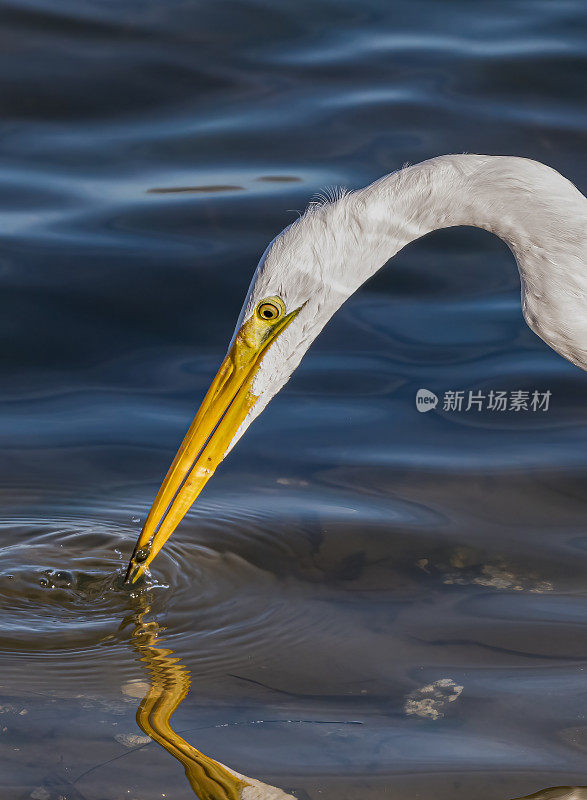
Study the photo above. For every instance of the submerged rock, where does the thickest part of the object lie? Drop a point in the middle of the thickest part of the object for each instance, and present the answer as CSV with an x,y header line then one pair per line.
x,y
430,701
132,739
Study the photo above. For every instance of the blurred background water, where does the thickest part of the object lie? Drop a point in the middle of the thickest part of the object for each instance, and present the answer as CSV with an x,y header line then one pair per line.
x,y
372,602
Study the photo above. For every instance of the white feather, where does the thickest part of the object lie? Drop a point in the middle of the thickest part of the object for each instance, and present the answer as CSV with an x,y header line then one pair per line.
x,y
324,256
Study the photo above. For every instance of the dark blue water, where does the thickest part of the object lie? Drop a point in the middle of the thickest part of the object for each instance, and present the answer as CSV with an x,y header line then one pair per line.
x,y
372,602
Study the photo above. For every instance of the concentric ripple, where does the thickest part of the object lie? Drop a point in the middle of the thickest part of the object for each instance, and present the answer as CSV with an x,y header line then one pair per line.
x,y
242,598
61,584
64,602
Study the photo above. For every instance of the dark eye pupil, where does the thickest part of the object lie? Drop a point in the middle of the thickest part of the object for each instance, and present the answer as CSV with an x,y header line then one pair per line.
x,y
268,312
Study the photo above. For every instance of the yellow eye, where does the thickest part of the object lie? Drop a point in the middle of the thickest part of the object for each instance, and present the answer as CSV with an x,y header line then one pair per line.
x,y
270,310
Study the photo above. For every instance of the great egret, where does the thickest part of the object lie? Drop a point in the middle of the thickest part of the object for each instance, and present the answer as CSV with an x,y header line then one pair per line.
x,y
316,263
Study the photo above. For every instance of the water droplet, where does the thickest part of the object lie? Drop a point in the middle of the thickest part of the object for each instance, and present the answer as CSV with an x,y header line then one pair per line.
x,y
135,519
63,577
141,555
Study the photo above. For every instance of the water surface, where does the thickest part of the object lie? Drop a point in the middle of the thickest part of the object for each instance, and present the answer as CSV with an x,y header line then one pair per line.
x,y
370,601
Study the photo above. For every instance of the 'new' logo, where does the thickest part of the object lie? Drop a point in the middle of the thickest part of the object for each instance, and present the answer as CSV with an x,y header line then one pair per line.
x,y
425,400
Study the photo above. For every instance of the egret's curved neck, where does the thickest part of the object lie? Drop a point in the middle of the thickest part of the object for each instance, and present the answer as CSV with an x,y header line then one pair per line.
x,y
537,212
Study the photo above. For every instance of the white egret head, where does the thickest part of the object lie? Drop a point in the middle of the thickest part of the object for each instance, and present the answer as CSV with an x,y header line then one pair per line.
x,y
316,263
294,292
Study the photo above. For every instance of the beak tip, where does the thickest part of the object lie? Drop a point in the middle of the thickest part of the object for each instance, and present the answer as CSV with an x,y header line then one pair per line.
x,y
223,412
132,574
138,563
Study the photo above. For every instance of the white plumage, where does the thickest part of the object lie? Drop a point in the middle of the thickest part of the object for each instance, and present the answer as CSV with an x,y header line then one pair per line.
x,y
323,257
316,263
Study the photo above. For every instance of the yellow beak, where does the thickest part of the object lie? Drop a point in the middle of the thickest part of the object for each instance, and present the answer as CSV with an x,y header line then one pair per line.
x,y
225,406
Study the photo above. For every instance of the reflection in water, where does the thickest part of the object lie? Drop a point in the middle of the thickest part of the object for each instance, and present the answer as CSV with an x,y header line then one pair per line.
x,y
169,685
204,189
559,793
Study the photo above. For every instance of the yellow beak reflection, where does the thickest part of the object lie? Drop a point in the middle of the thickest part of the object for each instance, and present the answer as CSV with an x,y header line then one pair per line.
x,y
168,686
226,405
